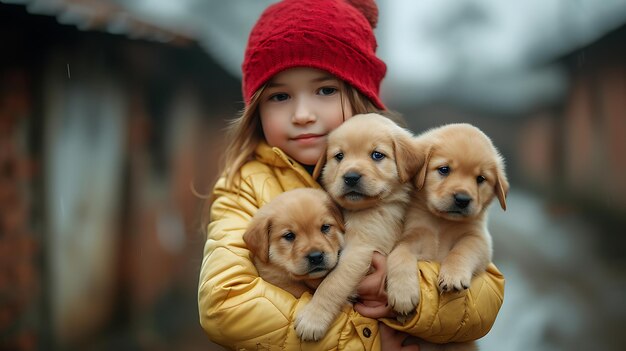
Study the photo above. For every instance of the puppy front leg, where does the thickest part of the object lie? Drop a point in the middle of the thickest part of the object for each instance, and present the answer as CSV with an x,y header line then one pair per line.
x,y
403,289
313,320
471,254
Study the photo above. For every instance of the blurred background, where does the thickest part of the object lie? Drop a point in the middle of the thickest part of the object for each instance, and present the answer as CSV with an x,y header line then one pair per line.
x,y
110,110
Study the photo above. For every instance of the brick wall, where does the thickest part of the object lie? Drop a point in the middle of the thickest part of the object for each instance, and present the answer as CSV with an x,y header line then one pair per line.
x,y
19,273
576,151
594,124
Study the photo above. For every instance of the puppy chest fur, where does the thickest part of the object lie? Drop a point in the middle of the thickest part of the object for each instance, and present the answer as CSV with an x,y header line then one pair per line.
x,y
446,221
366,171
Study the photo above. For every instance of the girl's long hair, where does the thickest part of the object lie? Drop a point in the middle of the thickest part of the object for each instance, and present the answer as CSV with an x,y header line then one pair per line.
x,y
244,133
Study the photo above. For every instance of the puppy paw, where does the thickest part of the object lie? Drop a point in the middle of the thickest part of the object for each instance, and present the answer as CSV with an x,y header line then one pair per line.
x,y
403,318
404,301
312,323
403,291
354,298
453,279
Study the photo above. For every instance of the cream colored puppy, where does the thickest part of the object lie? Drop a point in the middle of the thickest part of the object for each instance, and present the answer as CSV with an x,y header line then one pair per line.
x,y
296,239
446,221
368,166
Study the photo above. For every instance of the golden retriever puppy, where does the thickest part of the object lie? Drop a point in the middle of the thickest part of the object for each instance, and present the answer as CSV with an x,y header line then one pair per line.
x,y
296,239
446,221
367,171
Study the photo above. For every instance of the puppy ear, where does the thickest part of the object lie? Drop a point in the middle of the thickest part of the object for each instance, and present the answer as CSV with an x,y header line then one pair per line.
x,y
319,165
336,213
420,180
257,237
408,161
502,185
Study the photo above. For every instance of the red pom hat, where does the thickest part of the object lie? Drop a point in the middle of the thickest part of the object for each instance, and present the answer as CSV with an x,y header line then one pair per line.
x,y
332,35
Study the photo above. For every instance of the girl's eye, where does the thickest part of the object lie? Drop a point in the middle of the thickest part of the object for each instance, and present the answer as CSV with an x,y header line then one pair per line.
x,y
289,236
279,97
480,179
444,170
327,91
325,228
377,156
339,156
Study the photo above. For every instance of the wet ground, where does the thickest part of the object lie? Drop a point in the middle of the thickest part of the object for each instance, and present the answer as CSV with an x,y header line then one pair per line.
x,y
564,290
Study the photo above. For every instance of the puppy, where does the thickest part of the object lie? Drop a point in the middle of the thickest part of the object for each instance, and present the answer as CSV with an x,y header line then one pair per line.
x,y
367,170
446,221
296,239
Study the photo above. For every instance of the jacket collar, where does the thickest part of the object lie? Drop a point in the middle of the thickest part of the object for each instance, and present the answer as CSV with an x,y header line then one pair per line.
x,y
276,157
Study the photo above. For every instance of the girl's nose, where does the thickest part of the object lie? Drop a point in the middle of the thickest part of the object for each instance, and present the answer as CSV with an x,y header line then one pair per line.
x,y
304,112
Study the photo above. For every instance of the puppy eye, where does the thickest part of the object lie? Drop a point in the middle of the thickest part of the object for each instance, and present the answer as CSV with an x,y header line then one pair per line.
x,y
339,156
480,179
377,156
289,236
445,170
325,228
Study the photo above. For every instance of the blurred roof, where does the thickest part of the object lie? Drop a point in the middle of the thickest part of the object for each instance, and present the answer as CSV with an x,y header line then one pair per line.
x,y
494,54
103,15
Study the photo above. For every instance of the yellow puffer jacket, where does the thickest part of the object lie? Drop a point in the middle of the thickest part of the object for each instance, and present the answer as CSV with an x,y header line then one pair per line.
x,y
240,311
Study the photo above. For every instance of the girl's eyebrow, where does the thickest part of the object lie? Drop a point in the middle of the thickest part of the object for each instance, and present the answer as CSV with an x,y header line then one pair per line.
x,y
323,78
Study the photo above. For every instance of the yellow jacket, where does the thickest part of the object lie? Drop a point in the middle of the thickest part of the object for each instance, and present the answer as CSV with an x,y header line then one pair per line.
x,y
240,311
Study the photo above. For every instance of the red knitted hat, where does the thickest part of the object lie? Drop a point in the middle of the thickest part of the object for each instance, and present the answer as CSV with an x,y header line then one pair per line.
x,y
332,35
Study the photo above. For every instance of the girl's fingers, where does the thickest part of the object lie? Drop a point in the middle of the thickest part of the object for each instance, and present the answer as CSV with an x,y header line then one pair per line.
x,y
379,261
371,285
374,283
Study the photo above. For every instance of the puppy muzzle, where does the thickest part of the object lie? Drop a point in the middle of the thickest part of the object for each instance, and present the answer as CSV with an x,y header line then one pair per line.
x,y
460,205
317,262
351,179
352,186
461,200
315,258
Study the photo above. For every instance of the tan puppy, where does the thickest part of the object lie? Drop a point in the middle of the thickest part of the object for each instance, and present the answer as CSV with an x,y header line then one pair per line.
x,y
368,168
446,221
296,239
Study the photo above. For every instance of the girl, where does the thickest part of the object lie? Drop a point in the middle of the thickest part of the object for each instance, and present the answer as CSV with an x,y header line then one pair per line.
x,y
309,65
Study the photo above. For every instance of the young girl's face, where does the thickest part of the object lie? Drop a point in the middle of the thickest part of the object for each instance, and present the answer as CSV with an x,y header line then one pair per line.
x,y
298,108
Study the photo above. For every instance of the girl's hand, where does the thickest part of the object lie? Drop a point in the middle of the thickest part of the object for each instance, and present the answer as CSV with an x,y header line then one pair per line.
x,y
372,296
392,339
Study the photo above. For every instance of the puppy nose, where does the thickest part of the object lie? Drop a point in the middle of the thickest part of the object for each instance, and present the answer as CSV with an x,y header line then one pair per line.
x,y
315,257
351,178
462,200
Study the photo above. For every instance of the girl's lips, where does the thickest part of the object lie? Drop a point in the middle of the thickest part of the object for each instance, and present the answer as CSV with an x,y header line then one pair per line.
x,y
307,138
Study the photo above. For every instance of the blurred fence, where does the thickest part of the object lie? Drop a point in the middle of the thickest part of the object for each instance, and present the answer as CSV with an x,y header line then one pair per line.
x,y
101,138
